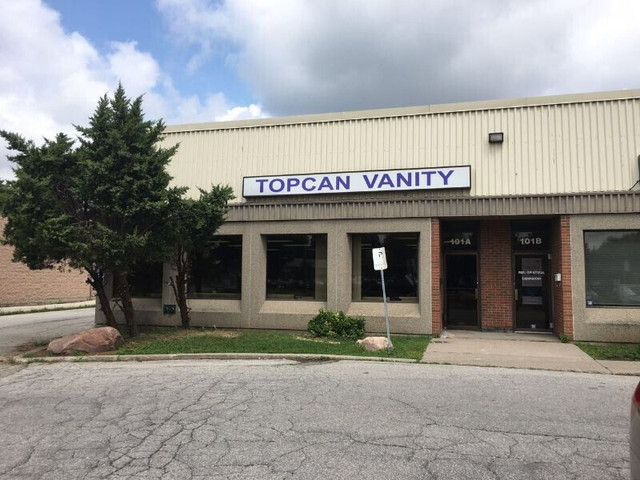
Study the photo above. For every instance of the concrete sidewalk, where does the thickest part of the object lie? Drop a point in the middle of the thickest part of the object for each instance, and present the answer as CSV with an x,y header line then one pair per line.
x,y
46,307
519,350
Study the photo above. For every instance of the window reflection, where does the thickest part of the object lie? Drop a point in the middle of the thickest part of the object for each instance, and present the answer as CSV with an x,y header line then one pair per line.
x,y
401,276
612,267
297,267
145,281
218,272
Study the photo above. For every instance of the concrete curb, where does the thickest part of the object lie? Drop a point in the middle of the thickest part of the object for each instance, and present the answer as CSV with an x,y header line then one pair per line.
x,y
621,367
52,307
514,366
300,357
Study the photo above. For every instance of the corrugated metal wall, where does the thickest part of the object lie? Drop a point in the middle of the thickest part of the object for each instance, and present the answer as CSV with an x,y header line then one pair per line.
x,y
561,148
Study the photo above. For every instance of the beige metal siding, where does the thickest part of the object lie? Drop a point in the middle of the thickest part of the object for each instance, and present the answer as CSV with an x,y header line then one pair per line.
x,y
581,146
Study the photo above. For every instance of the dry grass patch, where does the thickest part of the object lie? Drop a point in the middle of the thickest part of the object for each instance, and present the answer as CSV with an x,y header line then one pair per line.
x,y
318,340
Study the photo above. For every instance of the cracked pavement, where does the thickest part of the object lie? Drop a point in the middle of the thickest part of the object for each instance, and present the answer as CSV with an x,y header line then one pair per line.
x,y
282,419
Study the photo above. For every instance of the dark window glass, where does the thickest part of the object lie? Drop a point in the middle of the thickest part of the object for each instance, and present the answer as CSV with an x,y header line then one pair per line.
x,y
145,281
297,267
401,276
530,235
530,240
218,273
458,236
612,267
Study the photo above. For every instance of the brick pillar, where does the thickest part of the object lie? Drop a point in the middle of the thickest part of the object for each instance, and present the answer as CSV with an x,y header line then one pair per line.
x,y
561,263
436,265
496,275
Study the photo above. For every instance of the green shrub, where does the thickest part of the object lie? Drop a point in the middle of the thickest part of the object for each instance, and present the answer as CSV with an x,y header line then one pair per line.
x,y
336,324
563,338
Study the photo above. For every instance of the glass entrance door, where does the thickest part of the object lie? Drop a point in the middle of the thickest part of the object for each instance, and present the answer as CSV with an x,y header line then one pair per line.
x,y
532,292
461,296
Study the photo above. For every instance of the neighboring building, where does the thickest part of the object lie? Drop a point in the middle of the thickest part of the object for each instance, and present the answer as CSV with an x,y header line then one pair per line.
x,y
499,215
21,286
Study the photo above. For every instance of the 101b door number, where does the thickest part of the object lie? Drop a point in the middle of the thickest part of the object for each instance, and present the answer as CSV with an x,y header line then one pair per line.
x,y
530,241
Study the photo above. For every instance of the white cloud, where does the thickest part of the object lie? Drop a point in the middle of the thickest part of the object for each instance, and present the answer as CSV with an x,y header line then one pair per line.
x,y
215,108
51,79
243,113
137,70
304,56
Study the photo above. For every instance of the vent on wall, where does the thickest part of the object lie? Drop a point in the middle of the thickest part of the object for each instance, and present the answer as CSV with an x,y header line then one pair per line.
x,y
496,137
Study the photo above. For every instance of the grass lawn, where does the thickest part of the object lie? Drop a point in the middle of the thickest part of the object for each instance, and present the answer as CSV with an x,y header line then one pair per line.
x,y
254,341
611,351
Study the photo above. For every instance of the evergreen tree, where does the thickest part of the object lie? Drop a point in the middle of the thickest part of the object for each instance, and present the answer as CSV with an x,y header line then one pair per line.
x,y
101,207
191,233
4,192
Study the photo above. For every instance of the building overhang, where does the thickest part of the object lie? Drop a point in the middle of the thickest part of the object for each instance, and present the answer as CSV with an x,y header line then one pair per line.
x,y
464,206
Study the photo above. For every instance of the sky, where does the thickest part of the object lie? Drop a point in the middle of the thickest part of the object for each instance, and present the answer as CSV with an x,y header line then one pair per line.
x,y
218,60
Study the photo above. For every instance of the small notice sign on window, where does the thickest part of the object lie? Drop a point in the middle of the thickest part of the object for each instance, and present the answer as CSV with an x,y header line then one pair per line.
x,y
531,272
379,259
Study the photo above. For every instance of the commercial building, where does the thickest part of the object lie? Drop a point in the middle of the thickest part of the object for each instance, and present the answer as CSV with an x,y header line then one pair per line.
x,y
21,286
499,215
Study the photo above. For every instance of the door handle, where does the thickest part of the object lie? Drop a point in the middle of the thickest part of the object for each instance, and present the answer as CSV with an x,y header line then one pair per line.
x,y
475,293
515,292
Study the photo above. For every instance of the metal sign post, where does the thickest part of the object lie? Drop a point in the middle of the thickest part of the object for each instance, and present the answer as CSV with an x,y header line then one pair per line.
x,y
380,263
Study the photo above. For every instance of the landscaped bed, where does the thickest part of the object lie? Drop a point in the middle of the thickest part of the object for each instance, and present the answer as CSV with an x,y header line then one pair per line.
x,y
171,340
611,351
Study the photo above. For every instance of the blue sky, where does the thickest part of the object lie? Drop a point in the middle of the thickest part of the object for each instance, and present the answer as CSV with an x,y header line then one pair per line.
x,y
206,60
103,22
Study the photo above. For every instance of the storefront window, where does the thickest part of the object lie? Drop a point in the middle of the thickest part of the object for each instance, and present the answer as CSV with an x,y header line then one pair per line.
x,y
297,267
145,281
401,276
612,268
218,273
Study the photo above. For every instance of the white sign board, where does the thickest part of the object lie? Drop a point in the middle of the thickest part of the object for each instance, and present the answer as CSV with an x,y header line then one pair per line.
x,y
435,178
531,272
379,259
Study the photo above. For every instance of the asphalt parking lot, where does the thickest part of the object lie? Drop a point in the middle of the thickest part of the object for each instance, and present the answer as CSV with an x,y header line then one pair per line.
x,y
282,419
41,327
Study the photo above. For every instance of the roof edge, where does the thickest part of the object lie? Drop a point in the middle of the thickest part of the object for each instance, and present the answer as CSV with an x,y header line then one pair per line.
x,y
410,111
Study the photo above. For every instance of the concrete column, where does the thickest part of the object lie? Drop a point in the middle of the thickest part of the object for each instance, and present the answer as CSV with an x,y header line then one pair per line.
x,y
356,269
341,267
246,287
333,267
256,273
321,267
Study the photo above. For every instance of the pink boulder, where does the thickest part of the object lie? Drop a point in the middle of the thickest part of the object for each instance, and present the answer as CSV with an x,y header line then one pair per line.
x,y
90,341
373,344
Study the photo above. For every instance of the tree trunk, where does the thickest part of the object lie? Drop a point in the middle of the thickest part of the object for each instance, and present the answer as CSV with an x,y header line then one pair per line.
x,y
126,304
179,287
96,281
179,291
